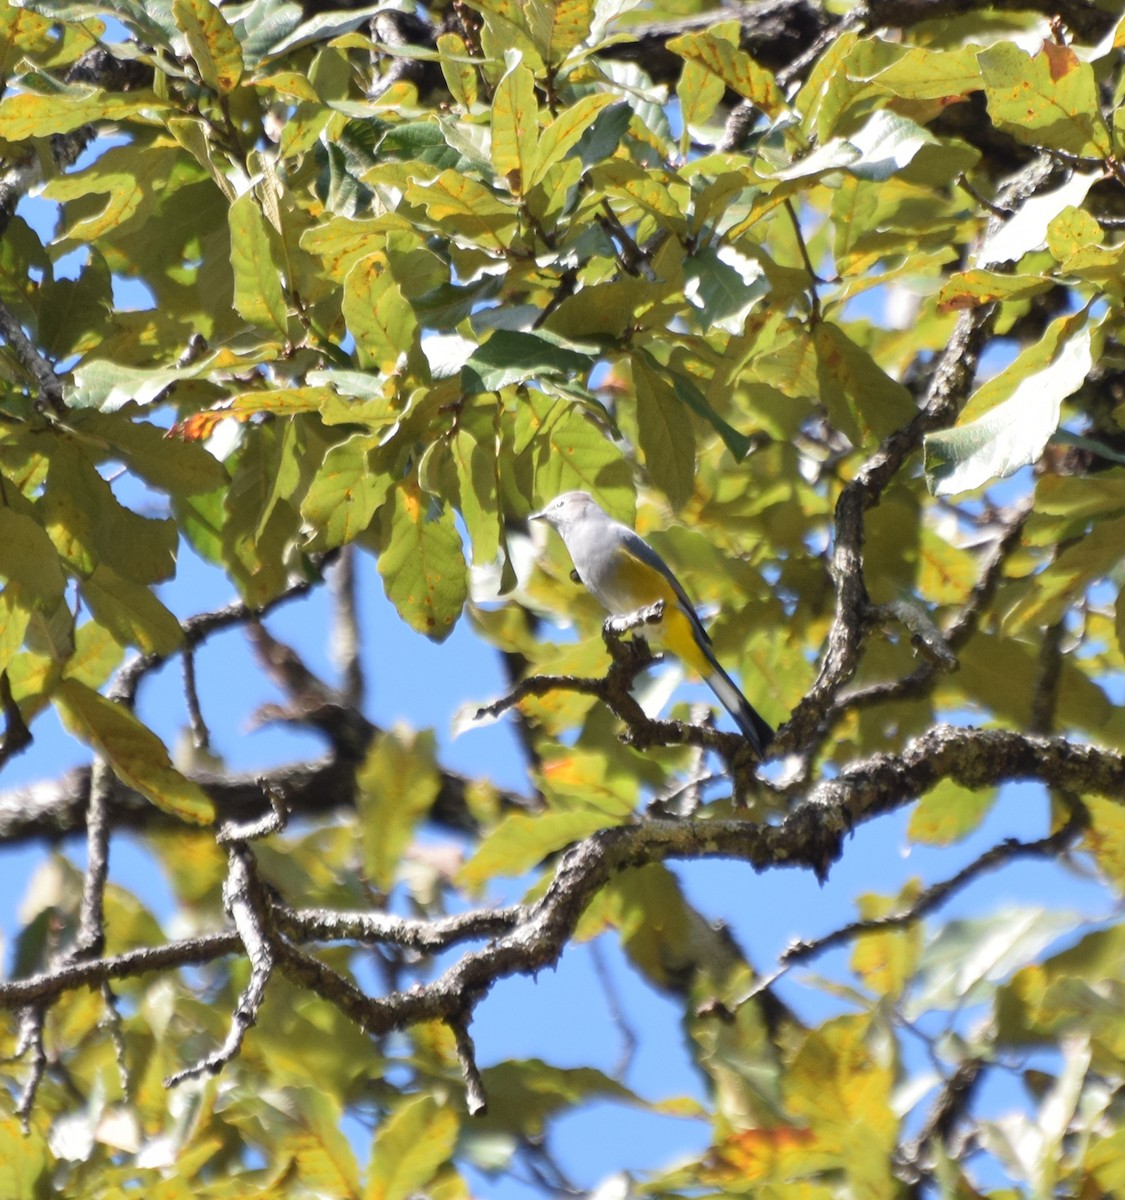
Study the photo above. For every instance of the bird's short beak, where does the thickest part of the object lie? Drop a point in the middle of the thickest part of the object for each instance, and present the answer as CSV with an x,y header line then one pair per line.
x,y
537,516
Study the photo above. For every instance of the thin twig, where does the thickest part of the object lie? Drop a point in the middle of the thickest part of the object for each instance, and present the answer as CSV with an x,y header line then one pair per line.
x,y
952,1102
346,639
197,629
628,1035
91,920
30,1046
814,279
245,899
476,1099
629,658
111,1020
270,822
200,734
927,901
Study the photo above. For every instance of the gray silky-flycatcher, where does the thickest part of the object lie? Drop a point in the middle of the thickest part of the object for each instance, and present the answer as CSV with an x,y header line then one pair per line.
x,y
624,574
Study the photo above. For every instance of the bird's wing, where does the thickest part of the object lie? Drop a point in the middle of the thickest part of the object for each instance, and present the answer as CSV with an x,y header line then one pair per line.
x,y
636,546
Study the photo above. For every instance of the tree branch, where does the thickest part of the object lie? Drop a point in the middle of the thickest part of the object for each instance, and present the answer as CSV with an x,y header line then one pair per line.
x,y
247,902
535,935
50,392
929,900
17,736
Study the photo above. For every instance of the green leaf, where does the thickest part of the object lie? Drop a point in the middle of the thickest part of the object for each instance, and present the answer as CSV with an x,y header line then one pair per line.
x,y
838,1085
1072,231
1048,100
971,289
130,612
258,529
412,1143
162,460
152,20
515,127
948,813
915,72
1014,433
1060,585
1026,229
28,558
421,561
256,264
862,399
665,433
89,525
558,26
565,132
650,190
602,137
568,451
521,841
885,960
1081,496
345,493
212,43
886,143
109,386
14,617
456,66
74,312
966,958
737,443
524,1093
398,783
510,356
699,93
658,929
379,316
137,756
474,449
25,1162
320,1153
28,115
734,67
455,202
721,293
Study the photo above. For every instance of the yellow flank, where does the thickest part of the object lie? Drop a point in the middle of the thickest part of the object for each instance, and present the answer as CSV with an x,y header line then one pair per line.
x,y
637,584
678,635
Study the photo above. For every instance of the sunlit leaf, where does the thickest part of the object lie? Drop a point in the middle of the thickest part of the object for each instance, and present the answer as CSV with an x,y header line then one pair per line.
x,y
397,783
1013,433
410,1146
212,42
137,755
1046,99
421,561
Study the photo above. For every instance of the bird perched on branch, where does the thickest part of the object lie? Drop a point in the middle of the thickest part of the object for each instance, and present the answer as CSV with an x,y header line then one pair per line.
x,y
625,574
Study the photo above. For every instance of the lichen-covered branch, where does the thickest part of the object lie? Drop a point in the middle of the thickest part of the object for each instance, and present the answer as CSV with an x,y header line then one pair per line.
x,y
526,938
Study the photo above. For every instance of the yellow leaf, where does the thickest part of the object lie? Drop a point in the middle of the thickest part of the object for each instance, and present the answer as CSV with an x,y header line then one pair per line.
x,y
411,1145
212,43
137,756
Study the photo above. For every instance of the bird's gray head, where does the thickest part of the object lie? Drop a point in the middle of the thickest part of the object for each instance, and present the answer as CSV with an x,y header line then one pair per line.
x,y
566,510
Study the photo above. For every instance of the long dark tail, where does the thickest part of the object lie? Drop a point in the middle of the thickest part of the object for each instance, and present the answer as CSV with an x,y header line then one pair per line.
x,y
755,729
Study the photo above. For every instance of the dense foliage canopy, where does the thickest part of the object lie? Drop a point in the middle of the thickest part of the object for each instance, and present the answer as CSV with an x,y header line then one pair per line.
x,y
827,302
